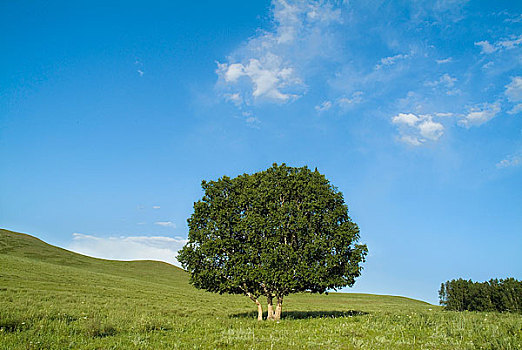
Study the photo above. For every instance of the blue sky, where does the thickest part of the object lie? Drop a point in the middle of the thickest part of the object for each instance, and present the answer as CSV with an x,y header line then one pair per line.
x,y
111,115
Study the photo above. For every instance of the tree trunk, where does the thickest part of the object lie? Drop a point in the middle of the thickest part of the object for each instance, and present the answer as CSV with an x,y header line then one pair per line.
x,y
259,307
271,314
279,309
259,311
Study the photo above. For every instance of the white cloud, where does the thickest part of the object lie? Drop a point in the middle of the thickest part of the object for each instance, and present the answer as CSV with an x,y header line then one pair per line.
x,y
269,77
480,115
233,72
139,67
313,48
326,105
514,89
165,224
431,130
511,43
270,65
488,65
514,94
293,18
453,92
516,109
342,103
510,161
128,247
156,207
234,98
445,80
446,60
411,140
486,47
345,102
388,61
506,44
417,129
252,121
516,19
405,118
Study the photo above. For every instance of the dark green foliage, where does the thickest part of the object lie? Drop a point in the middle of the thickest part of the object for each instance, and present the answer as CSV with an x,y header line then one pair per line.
x,y
504,295
275,232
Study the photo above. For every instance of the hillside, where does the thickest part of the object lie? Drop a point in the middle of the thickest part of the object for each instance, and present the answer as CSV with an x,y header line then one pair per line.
x,y
54,298
32,250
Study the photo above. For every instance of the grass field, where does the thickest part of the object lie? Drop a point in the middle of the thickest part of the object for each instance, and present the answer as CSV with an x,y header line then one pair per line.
x,y
51,298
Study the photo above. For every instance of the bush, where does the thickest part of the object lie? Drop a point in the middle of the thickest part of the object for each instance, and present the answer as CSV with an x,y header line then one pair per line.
x,y
504,295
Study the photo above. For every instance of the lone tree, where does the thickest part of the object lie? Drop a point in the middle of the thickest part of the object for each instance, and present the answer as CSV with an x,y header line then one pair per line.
x,y
280,231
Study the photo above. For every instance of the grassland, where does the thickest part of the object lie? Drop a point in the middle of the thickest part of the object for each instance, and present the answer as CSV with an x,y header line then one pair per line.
x,y
51,298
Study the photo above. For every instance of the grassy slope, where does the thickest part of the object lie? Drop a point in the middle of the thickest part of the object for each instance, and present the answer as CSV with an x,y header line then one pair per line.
x,y
53,298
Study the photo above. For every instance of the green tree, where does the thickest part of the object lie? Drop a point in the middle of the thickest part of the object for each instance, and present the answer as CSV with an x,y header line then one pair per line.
x,y
504,295
280,231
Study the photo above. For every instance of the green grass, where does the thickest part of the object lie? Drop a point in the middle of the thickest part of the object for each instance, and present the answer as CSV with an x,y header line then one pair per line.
x,y
51,298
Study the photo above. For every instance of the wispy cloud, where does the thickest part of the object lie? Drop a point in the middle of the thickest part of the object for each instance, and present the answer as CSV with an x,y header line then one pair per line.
x,y
139,67
486,47
342,103
251,120
443,61
505,44
326,105
516,109
391,60
160,248
165,224
479,115
514,18
313,54
234,98
510,161
156,207
445,80
514,89
270,66
514,94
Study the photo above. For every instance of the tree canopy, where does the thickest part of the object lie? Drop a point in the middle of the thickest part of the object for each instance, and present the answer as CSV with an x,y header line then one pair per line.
x,y
280,231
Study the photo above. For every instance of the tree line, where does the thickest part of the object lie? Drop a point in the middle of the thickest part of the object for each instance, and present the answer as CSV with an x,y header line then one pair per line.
x,y
502,295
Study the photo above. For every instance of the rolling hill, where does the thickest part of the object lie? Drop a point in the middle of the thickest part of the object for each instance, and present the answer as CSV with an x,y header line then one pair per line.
x,y
51,298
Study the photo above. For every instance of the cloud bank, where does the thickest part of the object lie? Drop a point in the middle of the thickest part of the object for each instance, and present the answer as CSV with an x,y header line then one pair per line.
x,y
126,248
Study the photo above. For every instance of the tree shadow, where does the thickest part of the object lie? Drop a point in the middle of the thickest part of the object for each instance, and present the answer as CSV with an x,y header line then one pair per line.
x,y
300,315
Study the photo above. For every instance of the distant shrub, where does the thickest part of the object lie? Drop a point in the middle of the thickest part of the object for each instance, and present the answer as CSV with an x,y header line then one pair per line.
x,y
504,295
